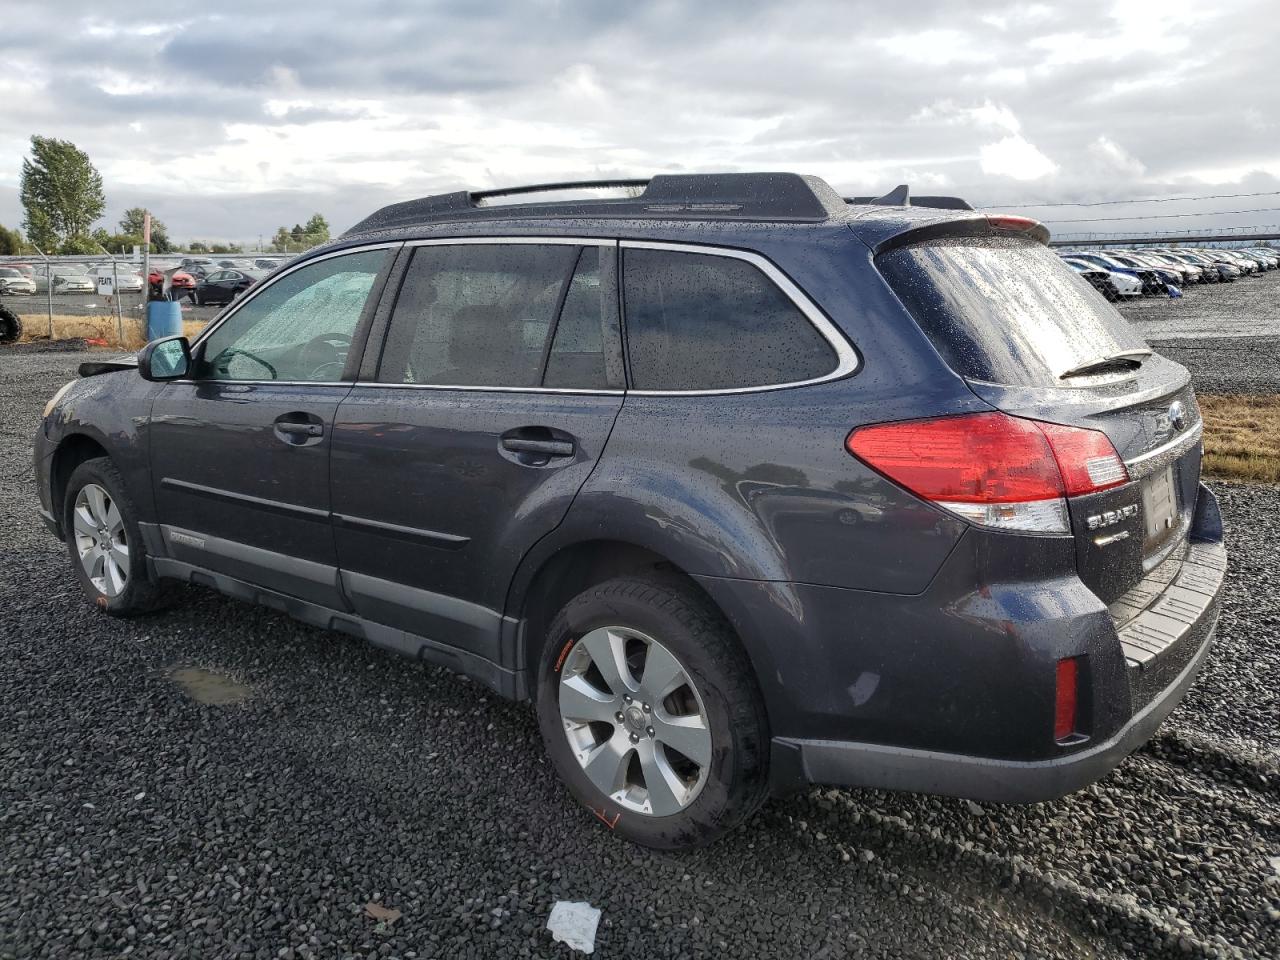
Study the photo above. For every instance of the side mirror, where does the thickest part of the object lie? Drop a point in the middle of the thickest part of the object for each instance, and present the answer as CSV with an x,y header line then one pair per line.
x,y
168,358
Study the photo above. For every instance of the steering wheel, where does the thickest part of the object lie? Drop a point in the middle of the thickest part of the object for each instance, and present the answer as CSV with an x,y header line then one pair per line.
x,y
221,361
335,346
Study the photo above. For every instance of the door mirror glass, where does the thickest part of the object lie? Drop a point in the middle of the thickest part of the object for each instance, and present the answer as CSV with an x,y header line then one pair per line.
x,y
168,358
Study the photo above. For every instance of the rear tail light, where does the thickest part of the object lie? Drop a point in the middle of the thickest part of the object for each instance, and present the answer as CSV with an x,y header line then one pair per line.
x,y
993,469
1065,700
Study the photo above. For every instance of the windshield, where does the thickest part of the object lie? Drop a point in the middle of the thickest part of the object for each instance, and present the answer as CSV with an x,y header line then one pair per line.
x,y
1006,310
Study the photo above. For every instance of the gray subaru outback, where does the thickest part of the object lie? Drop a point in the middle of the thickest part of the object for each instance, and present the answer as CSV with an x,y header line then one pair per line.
x,y
745,484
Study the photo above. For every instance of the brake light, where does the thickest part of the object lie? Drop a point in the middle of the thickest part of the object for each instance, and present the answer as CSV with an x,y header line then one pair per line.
x,y
1004,221
1065,699
992,469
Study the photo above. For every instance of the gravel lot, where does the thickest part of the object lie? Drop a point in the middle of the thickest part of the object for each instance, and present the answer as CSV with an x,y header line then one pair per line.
x,y
1227,334
220,781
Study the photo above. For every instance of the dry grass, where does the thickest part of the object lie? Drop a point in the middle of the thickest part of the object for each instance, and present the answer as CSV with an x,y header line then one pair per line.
x,y
1242,437
101,329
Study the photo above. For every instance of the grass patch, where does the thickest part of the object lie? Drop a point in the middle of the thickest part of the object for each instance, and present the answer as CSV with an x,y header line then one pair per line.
x,y
1242,437
100,328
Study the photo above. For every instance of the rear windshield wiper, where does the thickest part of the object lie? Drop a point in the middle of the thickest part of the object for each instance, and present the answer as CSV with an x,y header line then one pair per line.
x,y
1125,360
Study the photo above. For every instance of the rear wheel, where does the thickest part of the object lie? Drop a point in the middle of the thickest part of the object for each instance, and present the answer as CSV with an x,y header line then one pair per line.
x,y
104,542
651,714
10,326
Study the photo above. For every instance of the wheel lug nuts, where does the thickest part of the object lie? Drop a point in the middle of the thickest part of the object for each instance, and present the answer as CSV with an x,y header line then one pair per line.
x,y
619,717
626,698
649,731
647,708
635,738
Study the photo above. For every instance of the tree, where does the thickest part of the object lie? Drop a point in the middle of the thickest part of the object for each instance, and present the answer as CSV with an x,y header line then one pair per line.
x,y
10,242
298,234
132,223
280,242
195,246
317,229
61,194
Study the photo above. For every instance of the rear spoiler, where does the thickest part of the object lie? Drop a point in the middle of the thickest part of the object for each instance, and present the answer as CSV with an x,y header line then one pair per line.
x,y
992,225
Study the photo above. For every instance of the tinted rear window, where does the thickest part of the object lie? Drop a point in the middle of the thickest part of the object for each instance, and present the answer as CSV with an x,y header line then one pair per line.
x,y
703,322
1006,311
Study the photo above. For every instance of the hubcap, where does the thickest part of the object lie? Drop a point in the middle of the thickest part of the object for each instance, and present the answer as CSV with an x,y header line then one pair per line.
x,y
100,540
635,721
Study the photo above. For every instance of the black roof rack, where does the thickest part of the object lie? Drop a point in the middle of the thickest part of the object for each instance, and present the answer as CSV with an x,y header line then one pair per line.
x,y
900,196
787,197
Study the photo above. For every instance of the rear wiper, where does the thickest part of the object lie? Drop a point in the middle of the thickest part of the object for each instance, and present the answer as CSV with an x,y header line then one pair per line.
x,y
1125,360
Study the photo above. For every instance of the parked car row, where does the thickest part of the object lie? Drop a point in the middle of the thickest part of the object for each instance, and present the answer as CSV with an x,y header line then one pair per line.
x,y
202,279
205,282
68,278
1134,273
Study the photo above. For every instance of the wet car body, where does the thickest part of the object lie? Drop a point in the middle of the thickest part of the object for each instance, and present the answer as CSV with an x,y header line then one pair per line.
x,y
897,643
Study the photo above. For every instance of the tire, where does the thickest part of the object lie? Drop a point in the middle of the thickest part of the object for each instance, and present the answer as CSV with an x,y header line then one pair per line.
x,y
721,698
139,593
10,326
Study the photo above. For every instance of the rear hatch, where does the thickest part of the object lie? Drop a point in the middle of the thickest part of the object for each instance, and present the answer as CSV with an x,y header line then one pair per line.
x,y
1033,339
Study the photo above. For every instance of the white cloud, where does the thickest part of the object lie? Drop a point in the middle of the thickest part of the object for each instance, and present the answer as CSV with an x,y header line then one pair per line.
x,y
1114,158
1015,157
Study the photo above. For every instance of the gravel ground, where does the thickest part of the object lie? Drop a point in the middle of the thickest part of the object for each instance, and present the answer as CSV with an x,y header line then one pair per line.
x,y
1250,307
1228,335
220,781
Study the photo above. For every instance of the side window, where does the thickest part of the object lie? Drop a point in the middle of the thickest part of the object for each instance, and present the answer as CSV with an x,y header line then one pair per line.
x,y
298,328
586,352
705,322
476,314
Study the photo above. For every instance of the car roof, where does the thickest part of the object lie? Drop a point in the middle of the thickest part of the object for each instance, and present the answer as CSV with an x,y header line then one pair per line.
x,y
729,209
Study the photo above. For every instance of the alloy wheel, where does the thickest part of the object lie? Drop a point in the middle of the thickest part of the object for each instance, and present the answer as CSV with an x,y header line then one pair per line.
x,y
100,540
635,721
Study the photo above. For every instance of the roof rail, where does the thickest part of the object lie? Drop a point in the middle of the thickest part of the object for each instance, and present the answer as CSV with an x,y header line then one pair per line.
x,y
900,196
787,197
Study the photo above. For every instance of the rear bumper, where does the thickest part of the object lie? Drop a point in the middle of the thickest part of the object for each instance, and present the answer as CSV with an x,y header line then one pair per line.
x,y
1000,781
974,717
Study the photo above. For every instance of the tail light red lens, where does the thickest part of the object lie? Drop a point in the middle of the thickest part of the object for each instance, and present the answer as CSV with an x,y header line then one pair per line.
x,y
992,468
1065,702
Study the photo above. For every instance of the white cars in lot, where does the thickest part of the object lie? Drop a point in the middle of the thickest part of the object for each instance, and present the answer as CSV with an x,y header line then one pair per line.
x,y
1126,284
15,282
65,280
127,279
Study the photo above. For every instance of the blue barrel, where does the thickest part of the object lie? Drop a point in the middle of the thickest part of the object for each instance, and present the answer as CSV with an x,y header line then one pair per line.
x,y
164,319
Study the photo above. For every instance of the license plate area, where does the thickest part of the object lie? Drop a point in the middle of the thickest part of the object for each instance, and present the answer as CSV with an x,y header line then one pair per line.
x,y
1159,509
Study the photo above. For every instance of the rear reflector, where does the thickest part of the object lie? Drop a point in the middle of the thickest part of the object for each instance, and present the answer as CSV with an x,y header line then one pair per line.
x,y
1064,702
993,469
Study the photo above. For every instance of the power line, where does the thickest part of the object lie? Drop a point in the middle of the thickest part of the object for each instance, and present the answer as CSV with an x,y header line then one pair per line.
x,y
1165,216
1108,203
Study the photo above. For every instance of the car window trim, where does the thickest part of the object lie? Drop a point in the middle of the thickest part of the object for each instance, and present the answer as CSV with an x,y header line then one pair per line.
x,y
847,360
374,297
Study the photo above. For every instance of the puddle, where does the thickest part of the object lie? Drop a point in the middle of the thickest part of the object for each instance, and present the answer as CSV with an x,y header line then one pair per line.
x,y
205,686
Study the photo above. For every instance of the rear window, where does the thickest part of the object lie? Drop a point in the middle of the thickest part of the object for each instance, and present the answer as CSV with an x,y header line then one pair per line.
x,y
1006,311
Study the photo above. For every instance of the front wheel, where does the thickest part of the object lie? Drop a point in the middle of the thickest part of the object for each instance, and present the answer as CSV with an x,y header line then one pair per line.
x,y
104,542
651,714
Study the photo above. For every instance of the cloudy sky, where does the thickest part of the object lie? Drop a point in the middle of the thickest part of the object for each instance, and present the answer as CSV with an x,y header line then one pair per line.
x,y
230,118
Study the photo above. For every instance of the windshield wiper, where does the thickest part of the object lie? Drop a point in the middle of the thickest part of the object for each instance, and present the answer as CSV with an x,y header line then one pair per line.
x,y
1125,360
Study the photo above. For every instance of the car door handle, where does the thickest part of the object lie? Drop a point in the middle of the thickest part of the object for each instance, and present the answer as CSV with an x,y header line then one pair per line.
x,y
299,429
545,448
